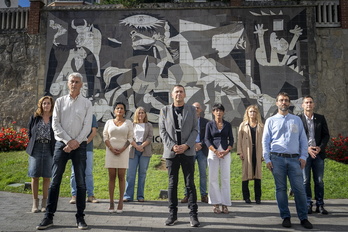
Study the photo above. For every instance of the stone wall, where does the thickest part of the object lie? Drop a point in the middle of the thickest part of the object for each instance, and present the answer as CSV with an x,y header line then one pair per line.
x,y
20,56
330,85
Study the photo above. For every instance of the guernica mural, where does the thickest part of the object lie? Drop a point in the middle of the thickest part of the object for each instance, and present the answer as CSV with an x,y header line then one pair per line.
x,y
234,56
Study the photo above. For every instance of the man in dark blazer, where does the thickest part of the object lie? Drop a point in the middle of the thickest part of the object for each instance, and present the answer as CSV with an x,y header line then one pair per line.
x,y
201,155
178,130
318,135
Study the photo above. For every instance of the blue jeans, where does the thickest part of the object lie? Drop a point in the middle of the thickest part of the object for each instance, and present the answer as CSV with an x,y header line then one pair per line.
x,y
202,166
317,167
60,158
173,166
89,176
141,163
291,168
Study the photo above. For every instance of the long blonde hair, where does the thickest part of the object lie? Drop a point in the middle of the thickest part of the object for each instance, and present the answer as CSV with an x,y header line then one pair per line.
x,y
258,116
136,113
39,110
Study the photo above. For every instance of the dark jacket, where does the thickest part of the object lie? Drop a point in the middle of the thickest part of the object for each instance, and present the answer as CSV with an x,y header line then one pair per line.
x,y
215,138
321,131
202,125
32,129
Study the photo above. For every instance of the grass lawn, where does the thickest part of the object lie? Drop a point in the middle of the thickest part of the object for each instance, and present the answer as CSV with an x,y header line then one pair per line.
x,y
14,167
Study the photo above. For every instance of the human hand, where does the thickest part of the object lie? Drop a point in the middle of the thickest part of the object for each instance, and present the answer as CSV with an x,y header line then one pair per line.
x,y
312,152
67,149
139,148
303,163
73,144
269,165
198,146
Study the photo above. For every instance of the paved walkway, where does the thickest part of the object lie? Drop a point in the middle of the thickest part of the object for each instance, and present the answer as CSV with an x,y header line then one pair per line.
x,y
150,216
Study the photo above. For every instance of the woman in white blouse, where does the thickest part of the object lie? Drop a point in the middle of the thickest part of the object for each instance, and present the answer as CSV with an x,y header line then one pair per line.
x,y
117,134
139,155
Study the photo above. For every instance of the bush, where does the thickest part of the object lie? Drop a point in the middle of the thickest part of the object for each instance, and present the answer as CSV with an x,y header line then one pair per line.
x,y
337,149
12,140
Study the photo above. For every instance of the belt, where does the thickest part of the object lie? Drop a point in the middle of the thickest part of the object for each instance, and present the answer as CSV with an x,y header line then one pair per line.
x,y
285,155
43,141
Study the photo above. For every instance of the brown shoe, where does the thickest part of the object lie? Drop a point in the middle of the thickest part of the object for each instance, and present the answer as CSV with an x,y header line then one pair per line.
x,y
204,199
92,199
73,200
184,200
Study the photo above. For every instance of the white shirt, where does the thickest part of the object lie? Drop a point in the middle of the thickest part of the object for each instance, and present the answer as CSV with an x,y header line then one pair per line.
x,y
72,118
139,130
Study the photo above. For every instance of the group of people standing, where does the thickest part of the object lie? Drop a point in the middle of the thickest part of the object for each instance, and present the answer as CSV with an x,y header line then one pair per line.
x,y
65,129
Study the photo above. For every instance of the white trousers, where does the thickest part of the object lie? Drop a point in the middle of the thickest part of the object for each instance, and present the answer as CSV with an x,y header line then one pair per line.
x,y
219,193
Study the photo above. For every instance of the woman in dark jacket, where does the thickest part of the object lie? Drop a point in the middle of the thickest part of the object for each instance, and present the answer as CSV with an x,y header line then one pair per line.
x,y
40,148
219,140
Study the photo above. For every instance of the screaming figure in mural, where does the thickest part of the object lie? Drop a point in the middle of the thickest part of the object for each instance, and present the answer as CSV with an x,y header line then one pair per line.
x,y
283,70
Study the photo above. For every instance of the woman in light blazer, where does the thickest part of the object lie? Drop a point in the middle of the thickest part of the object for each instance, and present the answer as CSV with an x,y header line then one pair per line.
x,y
219,140
139,155
249,149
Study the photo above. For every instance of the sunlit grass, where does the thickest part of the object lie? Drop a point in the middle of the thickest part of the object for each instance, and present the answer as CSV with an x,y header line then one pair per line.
x,y
14,168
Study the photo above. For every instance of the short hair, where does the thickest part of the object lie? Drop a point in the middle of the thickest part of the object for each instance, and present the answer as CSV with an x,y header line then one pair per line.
x,y
121,103
218,106
39,110
136,113
282,94
75,74
179,86
246,115
307,96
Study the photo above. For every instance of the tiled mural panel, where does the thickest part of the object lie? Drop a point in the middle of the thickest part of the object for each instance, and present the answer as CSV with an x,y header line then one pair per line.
x,y
234,56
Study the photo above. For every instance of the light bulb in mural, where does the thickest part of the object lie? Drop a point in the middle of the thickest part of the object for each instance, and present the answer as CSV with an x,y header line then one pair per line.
x,y
142,21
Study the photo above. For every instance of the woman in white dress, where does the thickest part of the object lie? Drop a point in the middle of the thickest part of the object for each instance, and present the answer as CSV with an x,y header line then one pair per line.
x,y
117,134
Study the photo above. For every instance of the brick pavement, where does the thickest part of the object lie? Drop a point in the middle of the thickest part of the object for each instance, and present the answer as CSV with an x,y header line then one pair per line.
x,y
15,215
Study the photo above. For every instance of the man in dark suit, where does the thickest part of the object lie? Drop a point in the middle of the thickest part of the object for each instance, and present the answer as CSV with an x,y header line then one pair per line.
x,y
178,130
201,155
318,135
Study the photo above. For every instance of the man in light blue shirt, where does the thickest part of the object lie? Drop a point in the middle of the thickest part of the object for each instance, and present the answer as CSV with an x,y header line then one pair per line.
x,y
285,152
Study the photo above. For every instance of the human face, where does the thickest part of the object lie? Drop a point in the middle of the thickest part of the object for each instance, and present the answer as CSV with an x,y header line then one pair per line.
x,y
308,104
46,105
218,114
198,109
283,103
141,116
252,113
119,111
75,85
178,95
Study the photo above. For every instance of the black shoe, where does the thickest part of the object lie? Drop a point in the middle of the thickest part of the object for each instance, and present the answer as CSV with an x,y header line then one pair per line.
x,y
184,200
321,209
194,221
204,199
310,211
171,220
286,222
81,224
248,201
258,201
306,224
45,223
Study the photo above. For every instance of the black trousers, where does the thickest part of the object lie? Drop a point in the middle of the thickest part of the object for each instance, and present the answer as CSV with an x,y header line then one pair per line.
x,y
173,166
257,189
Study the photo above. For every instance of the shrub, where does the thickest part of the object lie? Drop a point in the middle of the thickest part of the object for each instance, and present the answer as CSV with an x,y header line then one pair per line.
x,y
337,149
12,140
